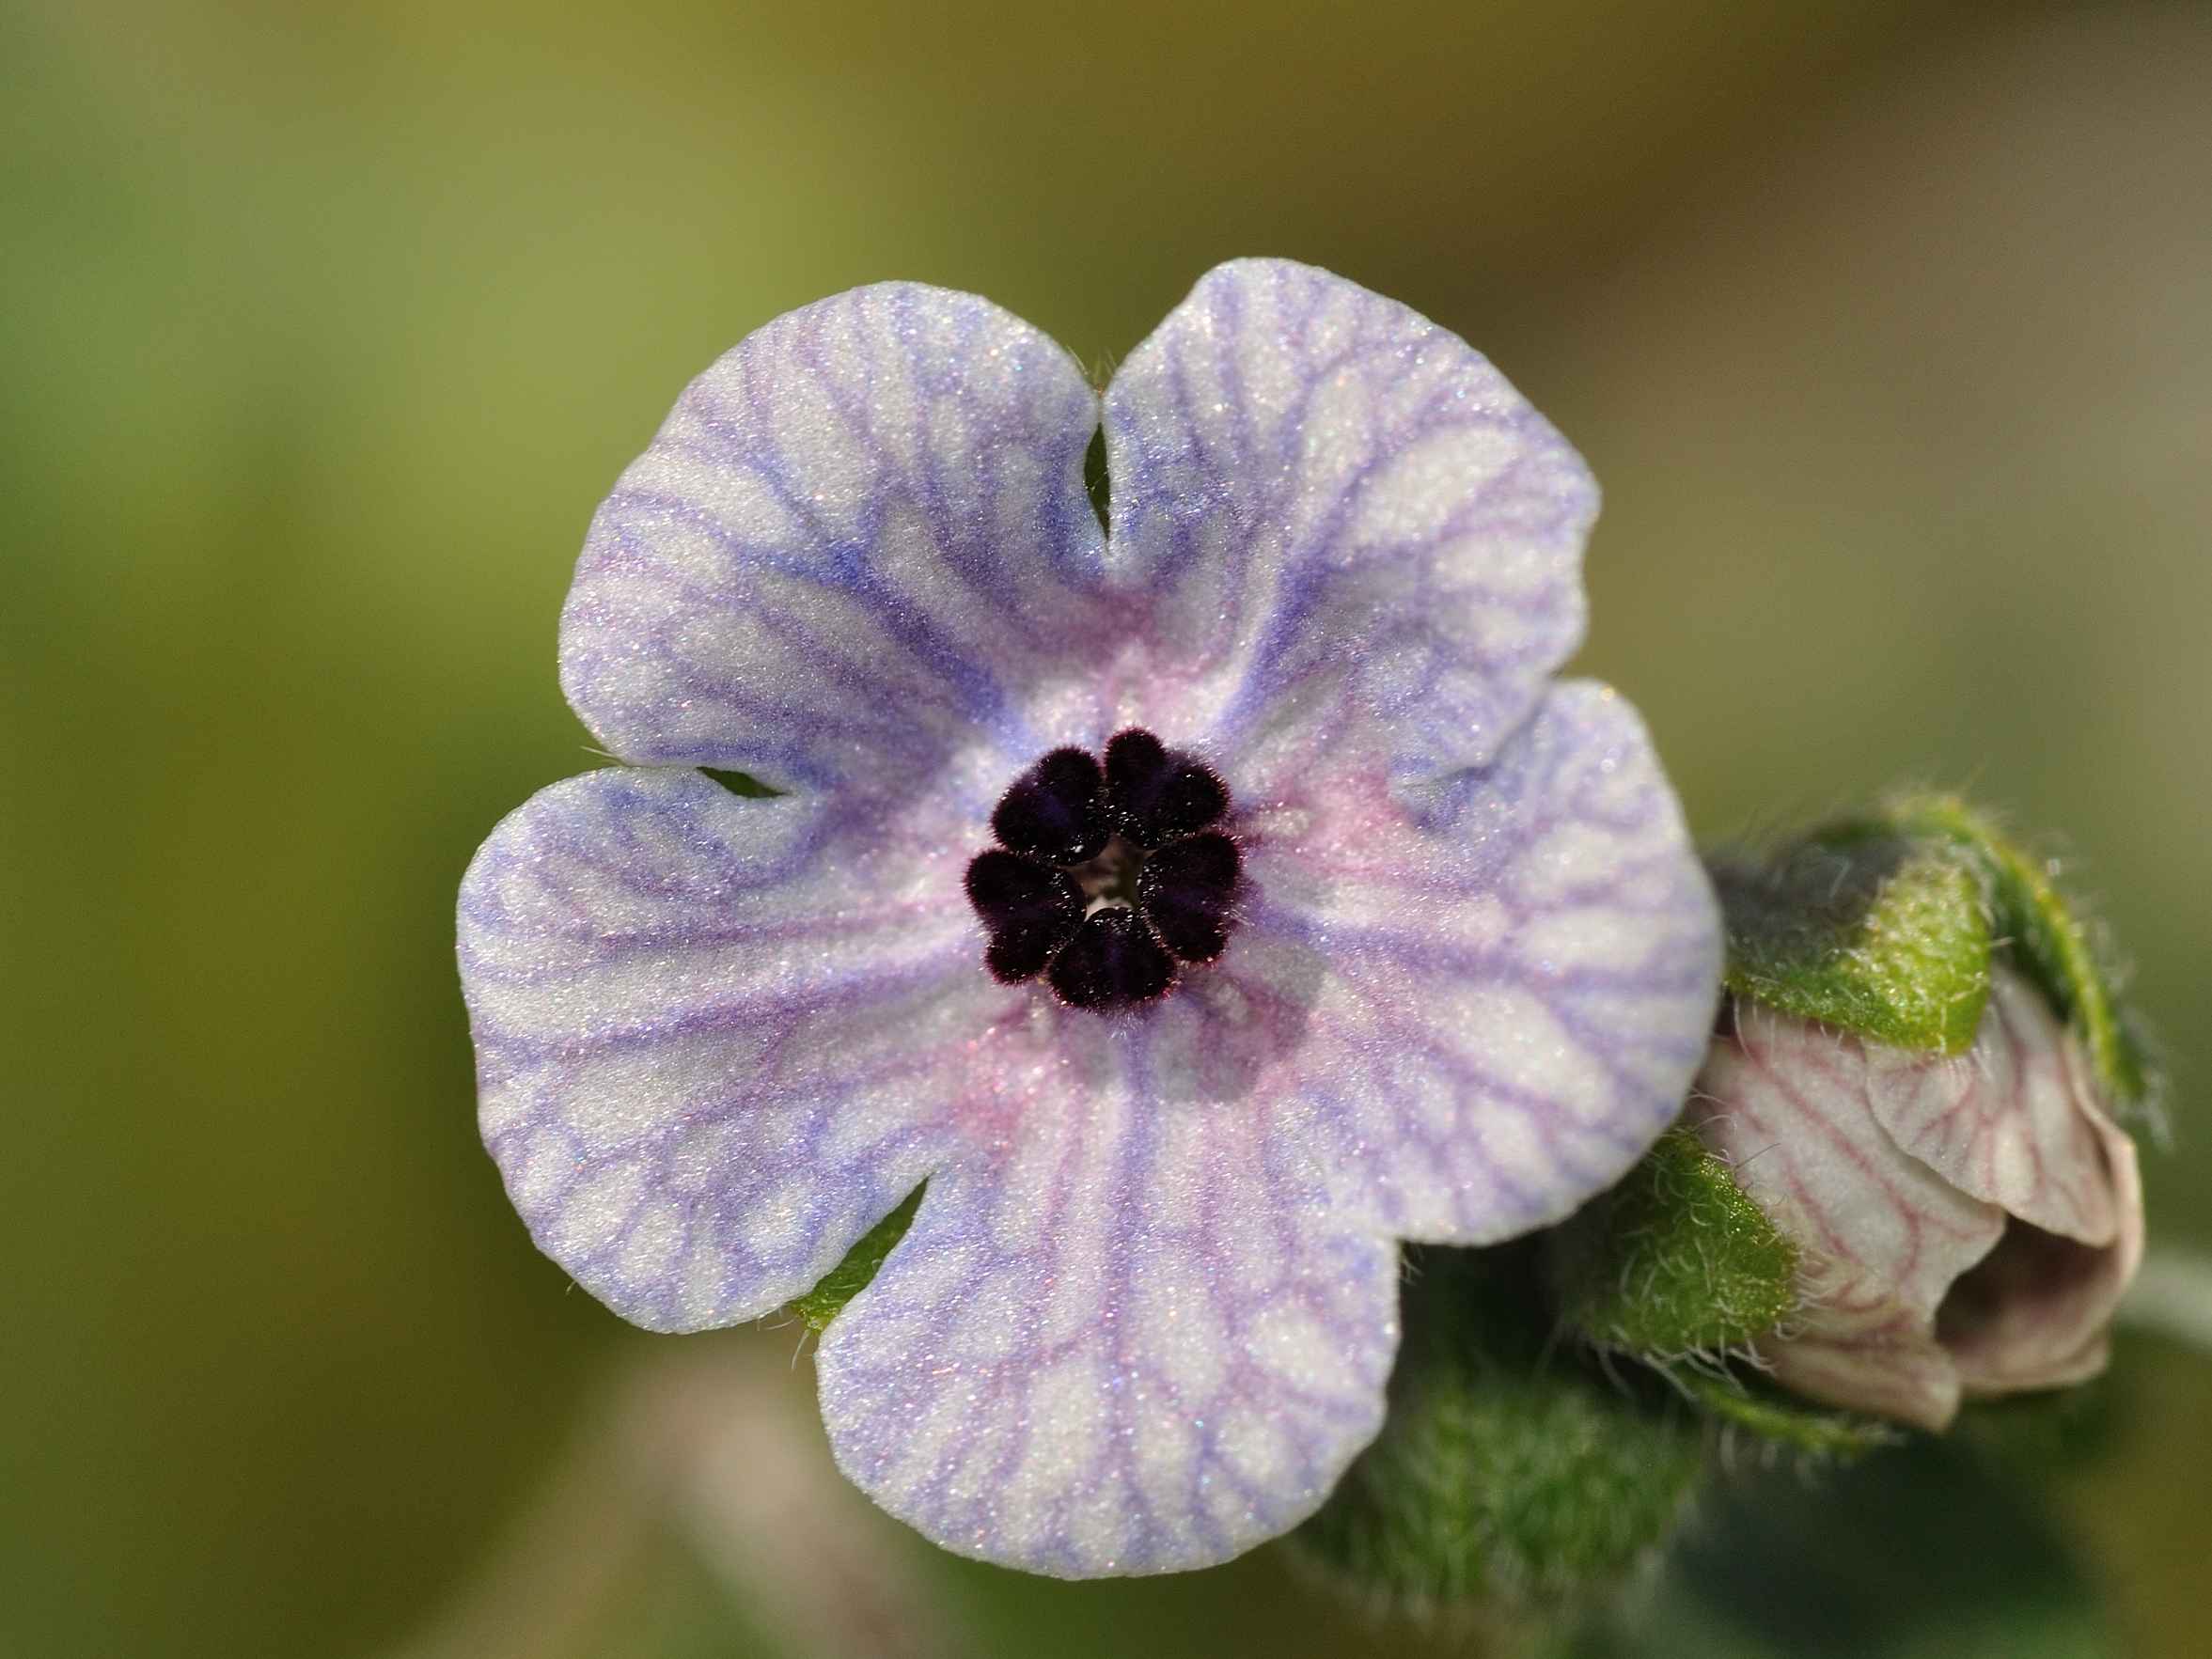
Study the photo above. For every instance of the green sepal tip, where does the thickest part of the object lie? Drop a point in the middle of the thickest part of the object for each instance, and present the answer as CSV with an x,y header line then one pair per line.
x,y
739,783
852,1276
2048,938
1789,1424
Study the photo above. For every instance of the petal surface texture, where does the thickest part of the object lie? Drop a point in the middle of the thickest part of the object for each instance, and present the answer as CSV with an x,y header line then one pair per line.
x,y
2013,1123
1481,1012
858,549
716,1038
1321,491
2037,1311
1129,1341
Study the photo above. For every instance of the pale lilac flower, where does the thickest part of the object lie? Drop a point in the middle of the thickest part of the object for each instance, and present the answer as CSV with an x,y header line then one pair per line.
x,y
1437,964
1966,1224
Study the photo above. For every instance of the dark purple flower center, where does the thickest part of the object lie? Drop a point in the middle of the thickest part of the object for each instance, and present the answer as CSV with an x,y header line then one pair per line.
x,y
1107,878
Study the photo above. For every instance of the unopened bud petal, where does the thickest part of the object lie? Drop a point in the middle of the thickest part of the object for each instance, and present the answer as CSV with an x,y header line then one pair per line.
x,y
1965,1225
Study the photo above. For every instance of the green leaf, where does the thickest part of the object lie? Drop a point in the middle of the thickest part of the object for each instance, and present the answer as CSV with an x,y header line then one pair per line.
x,y
1507,1476
1865,930
1674,1261
2050,940
852,1276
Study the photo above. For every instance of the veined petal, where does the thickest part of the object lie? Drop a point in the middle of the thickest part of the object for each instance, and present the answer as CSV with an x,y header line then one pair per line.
x,y
1481,1018
716,1039
1883,1235
1322,489
1128,1342
2013,1122
2036,1312
857,546
2033,1318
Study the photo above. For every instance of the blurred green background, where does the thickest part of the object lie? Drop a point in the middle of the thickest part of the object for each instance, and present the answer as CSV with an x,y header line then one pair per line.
x,y
1887,328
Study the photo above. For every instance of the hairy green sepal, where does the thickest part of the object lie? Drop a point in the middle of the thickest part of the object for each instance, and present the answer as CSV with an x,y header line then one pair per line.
x,y
851,1276
1884,925
2050,940
1508,1475
1865,930
1675,1261
1676,1267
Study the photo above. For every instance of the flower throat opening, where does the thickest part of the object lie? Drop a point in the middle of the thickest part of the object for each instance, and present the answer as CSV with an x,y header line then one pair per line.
x,y
1106,879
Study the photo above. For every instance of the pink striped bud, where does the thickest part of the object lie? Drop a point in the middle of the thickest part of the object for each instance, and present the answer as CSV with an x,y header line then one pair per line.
x,y
1965,1223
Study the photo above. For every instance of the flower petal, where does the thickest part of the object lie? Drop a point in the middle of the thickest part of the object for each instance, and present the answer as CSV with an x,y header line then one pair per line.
x,y
2036,1312
2011,1122
1128,1342
1320,488
857,539
715,1041
1481,1020
1882,1235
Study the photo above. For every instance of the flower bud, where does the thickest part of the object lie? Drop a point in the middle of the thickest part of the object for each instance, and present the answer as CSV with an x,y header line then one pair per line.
x,y
1965,1223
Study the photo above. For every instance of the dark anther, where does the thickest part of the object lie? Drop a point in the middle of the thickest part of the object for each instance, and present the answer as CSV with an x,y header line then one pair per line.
x,y
1105,878
1156,793
1019,951
1113,961
1055,811
1185,888
1029,908
1005,888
